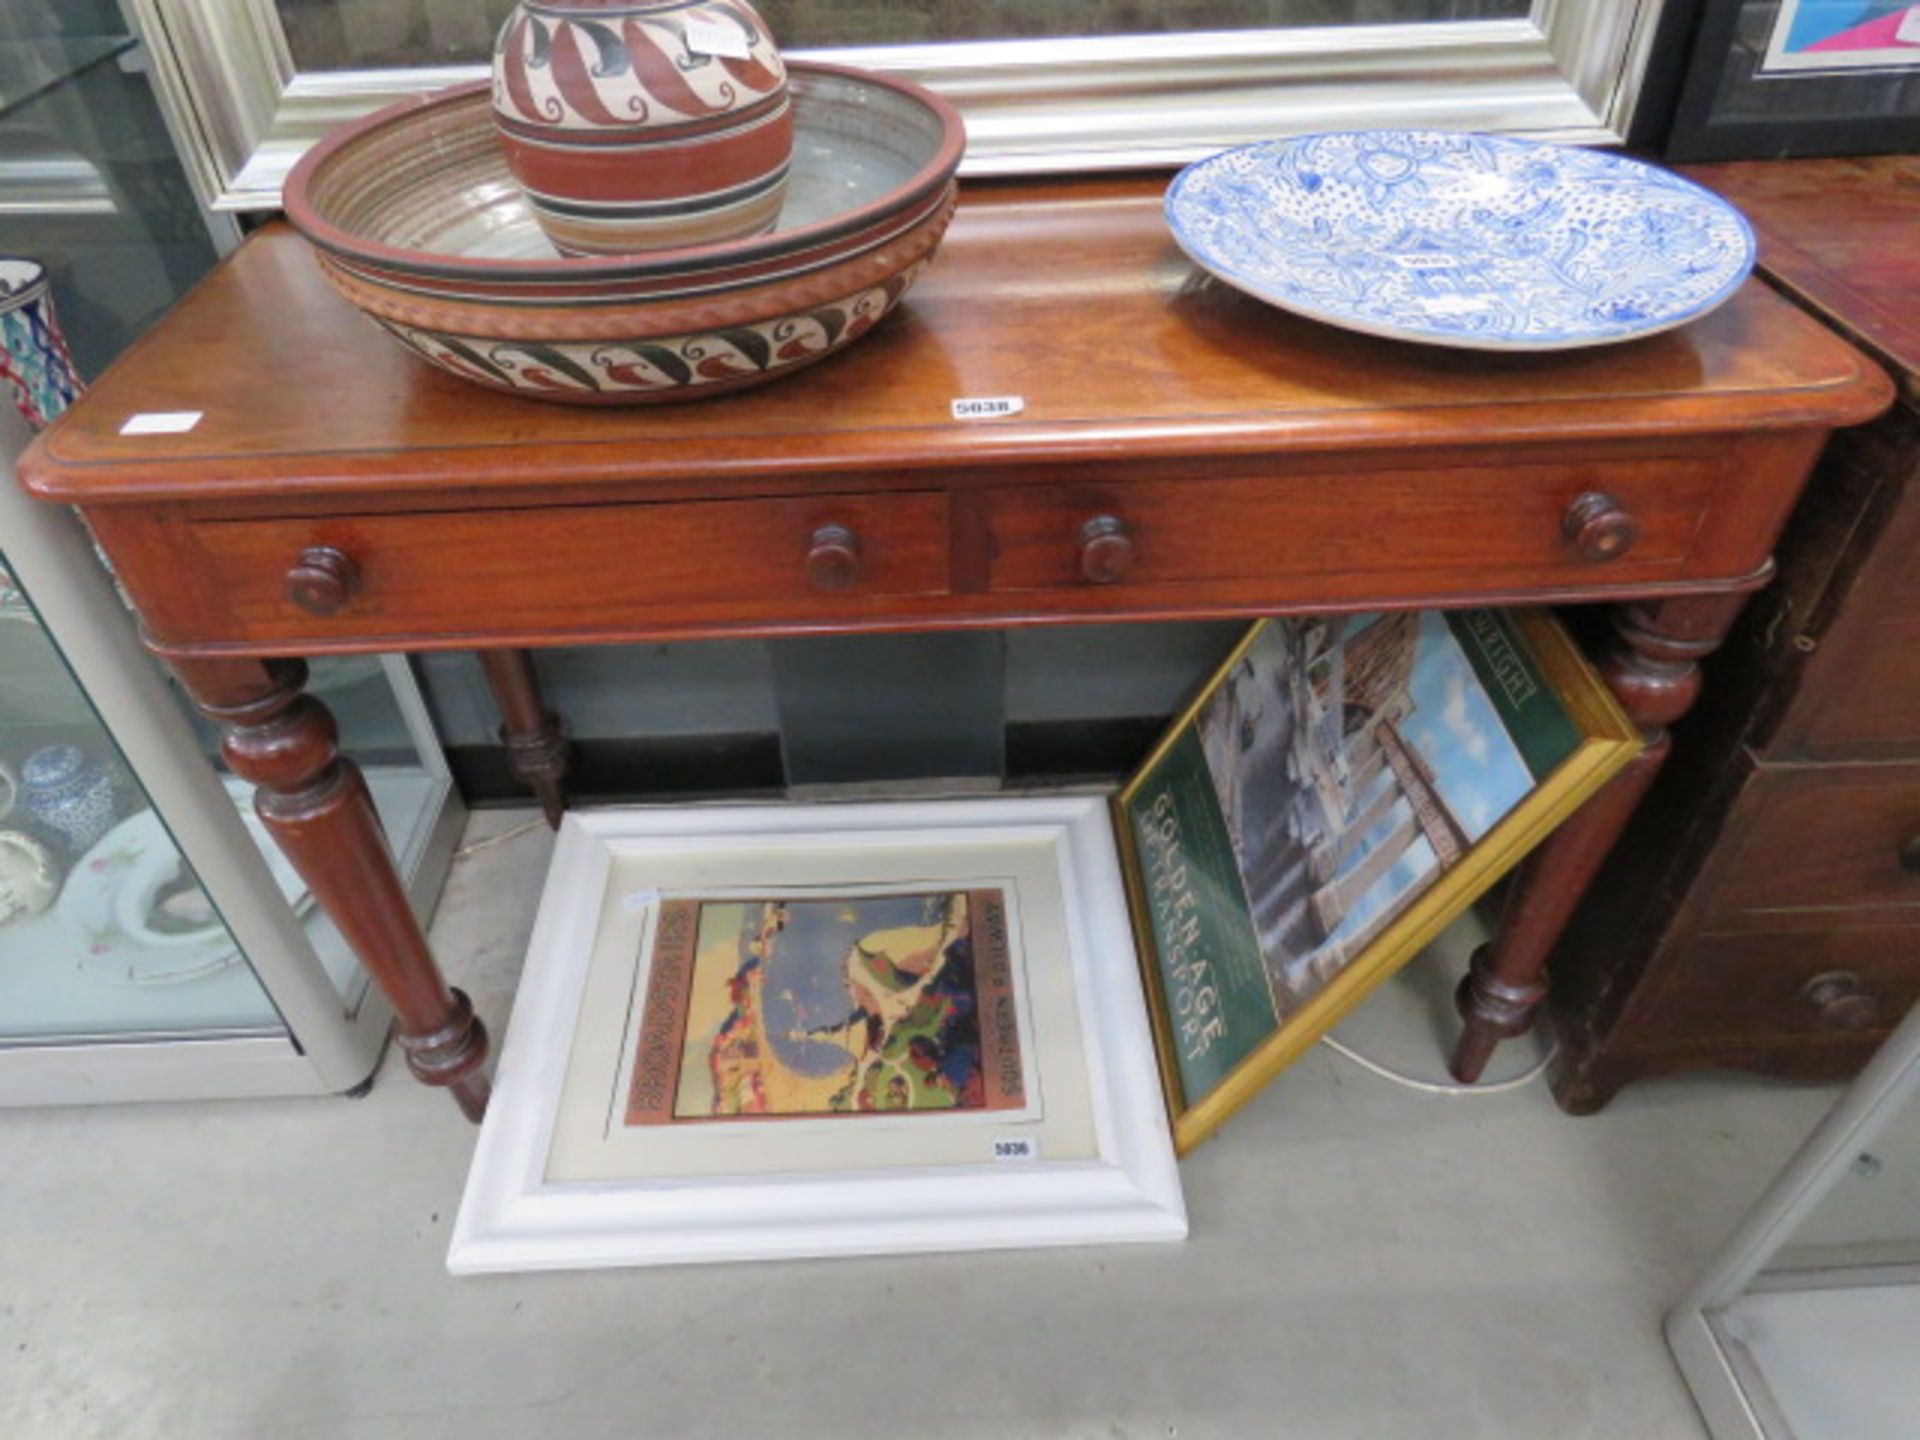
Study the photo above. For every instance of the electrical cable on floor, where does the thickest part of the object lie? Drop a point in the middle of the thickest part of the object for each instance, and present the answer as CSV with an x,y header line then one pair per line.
x,y
1435,1087
537,823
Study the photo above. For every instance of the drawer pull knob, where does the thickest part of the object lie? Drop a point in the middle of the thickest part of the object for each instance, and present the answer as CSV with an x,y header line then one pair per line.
x,y
1599,526
1910,855
1106,549
1842,1001
322,580
833,558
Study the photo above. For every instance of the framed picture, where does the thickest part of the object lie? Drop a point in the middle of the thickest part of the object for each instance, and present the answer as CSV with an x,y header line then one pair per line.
x,y
1045,85
1343,789
751,1032
1772,78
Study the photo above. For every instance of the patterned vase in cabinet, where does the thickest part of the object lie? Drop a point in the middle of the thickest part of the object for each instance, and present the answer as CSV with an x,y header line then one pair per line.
x,y
643,125
70,793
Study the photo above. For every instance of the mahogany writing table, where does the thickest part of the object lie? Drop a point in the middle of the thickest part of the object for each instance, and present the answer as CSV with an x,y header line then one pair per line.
x,y
1184,451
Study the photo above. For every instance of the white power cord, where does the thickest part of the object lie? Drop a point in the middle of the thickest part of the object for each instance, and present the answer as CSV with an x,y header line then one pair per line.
x,y
476,846
1449,1088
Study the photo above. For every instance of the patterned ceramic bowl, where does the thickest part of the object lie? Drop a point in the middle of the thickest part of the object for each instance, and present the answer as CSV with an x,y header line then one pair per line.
x,y
421,226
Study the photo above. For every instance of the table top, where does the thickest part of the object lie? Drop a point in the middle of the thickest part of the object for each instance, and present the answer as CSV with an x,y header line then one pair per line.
x,y
1070,295
1838,235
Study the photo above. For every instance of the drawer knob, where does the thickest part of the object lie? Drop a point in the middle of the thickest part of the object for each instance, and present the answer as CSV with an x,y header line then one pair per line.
x,y
322,580
1910,855
833,558
1106,549
1842,1001
1599,526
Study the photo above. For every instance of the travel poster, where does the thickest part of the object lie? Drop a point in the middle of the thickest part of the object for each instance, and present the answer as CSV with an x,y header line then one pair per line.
x,y
1335,773
863,1004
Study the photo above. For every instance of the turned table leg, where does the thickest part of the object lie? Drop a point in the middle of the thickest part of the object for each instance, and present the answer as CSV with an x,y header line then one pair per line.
x,y
316,804
1651,665
536,750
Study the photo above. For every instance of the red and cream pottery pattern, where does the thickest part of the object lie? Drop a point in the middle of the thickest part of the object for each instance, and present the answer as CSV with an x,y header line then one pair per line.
x,y
419,224
637,125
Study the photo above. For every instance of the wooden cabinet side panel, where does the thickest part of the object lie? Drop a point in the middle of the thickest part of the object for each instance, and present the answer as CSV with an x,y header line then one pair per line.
x,y
1858,695
1642,895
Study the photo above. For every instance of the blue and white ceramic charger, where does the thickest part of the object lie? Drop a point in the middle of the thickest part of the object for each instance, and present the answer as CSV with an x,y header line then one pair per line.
x,y
1486,242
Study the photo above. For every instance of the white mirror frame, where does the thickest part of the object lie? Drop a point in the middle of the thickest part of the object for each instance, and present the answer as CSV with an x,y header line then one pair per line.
x,y
1570,71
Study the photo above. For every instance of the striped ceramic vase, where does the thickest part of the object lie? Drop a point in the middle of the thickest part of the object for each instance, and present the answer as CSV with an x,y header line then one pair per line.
x,y
643,124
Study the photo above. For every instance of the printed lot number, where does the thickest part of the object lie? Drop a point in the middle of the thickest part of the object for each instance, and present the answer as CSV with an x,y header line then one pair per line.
x,y
988,407
720,38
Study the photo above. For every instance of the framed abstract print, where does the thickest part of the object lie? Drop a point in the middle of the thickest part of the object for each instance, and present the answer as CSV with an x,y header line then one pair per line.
x,y
1775,78
1342,790
752,1032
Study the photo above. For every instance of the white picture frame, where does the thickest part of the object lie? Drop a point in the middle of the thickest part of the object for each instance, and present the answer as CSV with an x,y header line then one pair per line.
x,y
243,111
515,1216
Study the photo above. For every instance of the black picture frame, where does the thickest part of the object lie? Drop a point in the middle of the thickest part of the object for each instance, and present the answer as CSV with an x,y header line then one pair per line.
x,y
1727,109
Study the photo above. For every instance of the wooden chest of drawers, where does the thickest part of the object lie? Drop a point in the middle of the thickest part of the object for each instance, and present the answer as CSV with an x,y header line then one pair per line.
x,y
1763,911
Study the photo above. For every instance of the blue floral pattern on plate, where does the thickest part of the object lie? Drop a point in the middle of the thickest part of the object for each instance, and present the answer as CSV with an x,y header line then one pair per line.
x,y
1482,241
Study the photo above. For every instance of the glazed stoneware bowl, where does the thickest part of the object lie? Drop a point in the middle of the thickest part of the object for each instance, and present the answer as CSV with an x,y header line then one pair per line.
x,y
419,223
643,124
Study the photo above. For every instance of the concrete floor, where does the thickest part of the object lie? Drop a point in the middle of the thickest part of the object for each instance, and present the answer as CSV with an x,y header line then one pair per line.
x,y
1365,1262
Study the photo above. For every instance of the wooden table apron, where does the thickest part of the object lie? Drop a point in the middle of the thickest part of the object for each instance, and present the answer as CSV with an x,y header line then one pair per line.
x,y
1182,451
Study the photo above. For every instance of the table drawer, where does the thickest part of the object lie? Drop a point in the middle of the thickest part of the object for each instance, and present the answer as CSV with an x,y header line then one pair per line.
x,y
575,568
1822,837
1819,985
1486,528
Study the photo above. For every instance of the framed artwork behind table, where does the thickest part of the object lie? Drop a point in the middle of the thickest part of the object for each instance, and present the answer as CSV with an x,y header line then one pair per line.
x,y
1776,78
1046,86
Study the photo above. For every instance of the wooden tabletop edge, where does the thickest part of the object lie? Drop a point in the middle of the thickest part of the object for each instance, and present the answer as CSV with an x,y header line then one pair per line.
x,y
1842,401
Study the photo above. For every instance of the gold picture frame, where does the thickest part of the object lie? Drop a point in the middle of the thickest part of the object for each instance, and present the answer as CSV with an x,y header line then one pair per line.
x,y
1600,742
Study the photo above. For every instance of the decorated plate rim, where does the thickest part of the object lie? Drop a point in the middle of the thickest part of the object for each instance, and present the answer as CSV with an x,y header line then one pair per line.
x,y
210,955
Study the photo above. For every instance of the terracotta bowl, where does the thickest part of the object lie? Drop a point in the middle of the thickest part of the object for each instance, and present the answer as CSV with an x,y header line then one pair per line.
x,y
420,225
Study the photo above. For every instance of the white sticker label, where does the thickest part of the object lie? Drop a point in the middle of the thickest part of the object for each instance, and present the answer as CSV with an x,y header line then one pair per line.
x,y
639,900
717,37
987,407
1021,1149
1908,30
162,422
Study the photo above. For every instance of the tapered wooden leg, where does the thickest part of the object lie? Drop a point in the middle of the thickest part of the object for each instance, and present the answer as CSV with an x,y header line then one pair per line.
x,y
537,752
316,805
1651,665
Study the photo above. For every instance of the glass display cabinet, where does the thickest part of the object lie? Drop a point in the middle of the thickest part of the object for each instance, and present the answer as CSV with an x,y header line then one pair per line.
x,y
153,943
91,186
1803,1326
